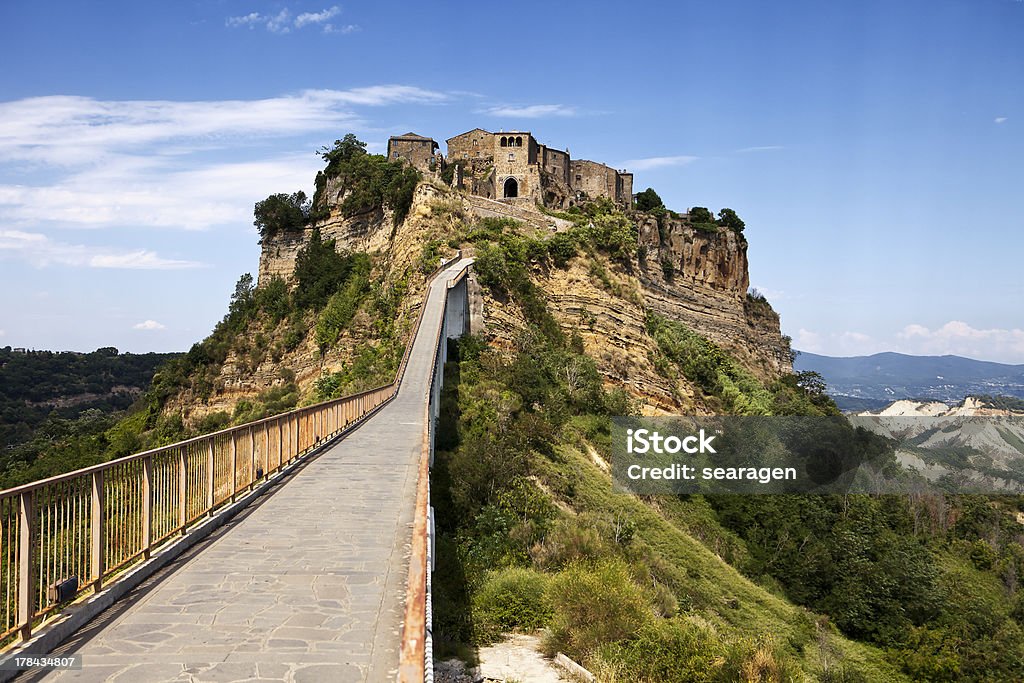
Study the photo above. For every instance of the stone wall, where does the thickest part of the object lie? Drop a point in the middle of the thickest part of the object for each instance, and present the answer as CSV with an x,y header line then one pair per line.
x,y
416,150
474,144
599,180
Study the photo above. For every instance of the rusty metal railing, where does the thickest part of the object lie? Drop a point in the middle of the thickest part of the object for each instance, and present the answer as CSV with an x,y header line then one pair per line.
x,y
69,535
415,665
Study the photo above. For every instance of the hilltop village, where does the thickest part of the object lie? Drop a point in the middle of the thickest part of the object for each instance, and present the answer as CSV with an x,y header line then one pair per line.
x,y
513,167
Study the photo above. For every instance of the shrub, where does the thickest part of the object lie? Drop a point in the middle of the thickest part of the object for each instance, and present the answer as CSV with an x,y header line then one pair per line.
x,y
511,599
648,199
281,213
595,606
339,311
561,248
614,234
668,268
670,650
568,542
320,271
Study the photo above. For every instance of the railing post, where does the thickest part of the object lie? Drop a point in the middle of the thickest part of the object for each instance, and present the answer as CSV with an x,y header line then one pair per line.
x,y
234,465
266,448
147,506
26,566
99,514
280,443
210,482
182,489
252,458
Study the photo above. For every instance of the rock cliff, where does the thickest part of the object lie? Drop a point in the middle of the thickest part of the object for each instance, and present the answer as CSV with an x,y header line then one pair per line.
x,y
683,273
700,278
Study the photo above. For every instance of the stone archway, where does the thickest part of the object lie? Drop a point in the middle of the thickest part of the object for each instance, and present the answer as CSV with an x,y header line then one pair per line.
x,y
511,188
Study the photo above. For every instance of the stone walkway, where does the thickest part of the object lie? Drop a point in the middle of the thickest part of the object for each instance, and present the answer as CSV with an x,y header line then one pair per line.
x,y
308,584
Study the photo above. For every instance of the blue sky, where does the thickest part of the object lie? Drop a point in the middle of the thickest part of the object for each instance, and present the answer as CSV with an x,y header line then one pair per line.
x,y
874,148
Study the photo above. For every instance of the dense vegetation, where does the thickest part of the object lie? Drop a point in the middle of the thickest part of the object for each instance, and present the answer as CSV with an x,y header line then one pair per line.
x,y
914,588
47,396
1011,403
38,385
531,531
371,181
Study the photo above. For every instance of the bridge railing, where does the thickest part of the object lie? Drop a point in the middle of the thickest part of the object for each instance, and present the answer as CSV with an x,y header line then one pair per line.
x,y
69,535
416,656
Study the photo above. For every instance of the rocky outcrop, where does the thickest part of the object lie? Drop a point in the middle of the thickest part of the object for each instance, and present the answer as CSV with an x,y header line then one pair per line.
x,y
258,362
369,231
700,278
695,276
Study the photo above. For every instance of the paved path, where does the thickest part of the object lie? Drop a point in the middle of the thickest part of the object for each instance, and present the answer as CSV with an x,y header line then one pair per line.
x,y
308,584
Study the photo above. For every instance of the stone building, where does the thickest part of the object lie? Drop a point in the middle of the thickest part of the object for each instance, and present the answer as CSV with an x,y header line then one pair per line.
x,y
415,149
512,166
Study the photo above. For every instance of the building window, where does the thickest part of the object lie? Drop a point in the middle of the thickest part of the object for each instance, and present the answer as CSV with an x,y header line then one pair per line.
x,y
504,142
519,142
511,156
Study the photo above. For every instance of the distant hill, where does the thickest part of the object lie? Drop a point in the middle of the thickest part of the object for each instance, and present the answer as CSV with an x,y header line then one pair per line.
x,y
37,386
871,382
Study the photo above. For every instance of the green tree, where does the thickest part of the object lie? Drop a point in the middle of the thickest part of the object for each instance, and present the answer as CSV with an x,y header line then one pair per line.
x,y
727,218
319,271
280,213
344,150
648,200
701,214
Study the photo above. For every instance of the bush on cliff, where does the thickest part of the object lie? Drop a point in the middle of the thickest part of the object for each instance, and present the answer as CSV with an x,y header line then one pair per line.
x,y
370,181
280,213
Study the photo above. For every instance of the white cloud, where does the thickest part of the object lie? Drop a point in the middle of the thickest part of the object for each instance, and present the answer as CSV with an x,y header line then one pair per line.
x,y
532,111
808,341
650,163
250,20
761,148
142,163
72,130
41,251
322,17
959,338
344,30
768,293
1001,119
282,22
149,325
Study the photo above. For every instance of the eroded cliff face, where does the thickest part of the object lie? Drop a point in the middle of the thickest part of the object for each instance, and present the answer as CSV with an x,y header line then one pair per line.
x,y
701,279
371,231
703,284
260,360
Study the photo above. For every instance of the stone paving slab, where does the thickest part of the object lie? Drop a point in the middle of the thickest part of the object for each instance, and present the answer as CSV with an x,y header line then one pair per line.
x,y
308,584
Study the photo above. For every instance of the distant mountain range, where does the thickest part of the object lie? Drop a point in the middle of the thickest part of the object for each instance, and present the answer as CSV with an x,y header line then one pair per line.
x,y
872,382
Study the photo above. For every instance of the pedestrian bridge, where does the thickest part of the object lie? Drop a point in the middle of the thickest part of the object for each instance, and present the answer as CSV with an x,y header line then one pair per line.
x,y
295,548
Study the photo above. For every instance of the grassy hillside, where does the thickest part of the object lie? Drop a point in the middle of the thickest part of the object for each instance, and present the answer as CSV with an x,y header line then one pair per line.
x,y
773,588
